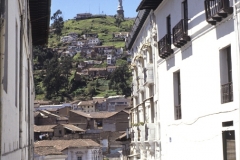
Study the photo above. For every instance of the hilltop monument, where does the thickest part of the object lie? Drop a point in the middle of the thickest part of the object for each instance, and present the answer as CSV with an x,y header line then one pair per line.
x,y
120,11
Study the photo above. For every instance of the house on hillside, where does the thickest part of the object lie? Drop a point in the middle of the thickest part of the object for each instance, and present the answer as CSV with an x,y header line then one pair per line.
x,y
110,59
66,39
100,103
104,50
73,34
86,106
118,104
97,72
90,35
81,16
120,35
93,41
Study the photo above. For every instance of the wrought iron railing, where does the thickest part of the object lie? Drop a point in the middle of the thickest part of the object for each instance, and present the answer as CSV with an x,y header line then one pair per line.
x,y
164,46
217,7
180,35
227,92
178,112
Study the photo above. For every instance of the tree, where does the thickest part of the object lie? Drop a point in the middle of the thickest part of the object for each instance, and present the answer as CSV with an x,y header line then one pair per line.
x,y
120,80
65,66
53,81
58,23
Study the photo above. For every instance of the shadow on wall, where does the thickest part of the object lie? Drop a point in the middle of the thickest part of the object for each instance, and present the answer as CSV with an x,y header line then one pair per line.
x,y
187,52
170,62
223,30
197,8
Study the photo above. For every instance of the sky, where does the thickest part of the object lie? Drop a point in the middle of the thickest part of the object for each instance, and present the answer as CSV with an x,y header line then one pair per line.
x,y
70,8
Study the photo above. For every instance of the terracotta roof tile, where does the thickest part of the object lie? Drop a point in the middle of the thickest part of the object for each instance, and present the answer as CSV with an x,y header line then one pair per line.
x,y
43,128
63,144
47,150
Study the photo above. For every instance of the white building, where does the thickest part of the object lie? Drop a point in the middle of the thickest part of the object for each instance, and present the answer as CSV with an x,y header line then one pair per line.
x,y
23,23
193,47
109,59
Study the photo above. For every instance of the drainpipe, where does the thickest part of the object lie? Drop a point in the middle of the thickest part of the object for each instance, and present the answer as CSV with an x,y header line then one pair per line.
x,y
1,21
20,81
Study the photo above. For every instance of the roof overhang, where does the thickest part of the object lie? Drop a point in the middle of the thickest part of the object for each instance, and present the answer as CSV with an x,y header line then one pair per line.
x,y
149,4
40,17
139,21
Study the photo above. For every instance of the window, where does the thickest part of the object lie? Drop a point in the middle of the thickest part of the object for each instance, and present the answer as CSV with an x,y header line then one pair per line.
x,y
60,132
79,158
229,149
177,95
226,75
185,14
169,30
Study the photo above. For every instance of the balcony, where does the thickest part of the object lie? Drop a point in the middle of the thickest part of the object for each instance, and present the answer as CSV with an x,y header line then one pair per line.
x,y
178,112
164,47
180,35
227,92
216,10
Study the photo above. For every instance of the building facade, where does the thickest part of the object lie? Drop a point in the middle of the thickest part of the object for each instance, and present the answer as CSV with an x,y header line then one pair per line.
x,y
19,30
194,50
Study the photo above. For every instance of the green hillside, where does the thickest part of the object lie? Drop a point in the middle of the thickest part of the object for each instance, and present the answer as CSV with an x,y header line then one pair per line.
x,y
105,27
50,72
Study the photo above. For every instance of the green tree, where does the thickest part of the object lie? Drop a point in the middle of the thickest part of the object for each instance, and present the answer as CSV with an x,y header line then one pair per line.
x,y
58,23
53,82
65,67
120,80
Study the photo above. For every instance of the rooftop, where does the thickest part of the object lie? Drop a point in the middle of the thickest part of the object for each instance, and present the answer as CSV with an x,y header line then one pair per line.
x,y
43,128
47,150
64,144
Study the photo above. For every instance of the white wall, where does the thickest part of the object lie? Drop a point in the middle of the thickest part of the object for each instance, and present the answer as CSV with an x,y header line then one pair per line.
x,y
16,122
199,133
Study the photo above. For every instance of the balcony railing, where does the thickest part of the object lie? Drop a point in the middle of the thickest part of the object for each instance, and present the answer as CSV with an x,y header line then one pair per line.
x,y
180,35
178,112
164,46
227,92
216,10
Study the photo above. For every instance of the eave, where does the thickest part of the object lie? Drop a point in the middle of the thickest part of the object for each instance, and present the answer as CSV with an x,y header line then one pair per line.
x,y
139,21
149,4
40,18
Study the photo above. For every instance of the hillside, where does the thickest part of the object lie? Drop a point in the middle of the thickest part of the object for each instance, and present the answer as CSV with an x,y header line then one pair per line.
x,y
66,68
104,27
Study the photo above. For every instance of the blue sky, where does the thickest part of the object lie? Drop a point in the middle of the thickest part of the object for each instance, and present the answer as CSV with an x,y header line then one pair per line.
x,y
70,8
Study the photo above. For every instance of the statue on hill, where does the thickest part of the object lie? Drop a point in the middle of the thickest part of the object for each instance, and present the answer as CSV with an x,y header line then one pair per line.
x,y
120,2
120,11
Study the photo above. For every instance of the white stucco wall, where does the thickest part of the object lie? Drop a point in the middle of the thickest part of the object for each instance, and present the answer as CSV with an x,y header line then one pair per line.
x,y
15,125
199,133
